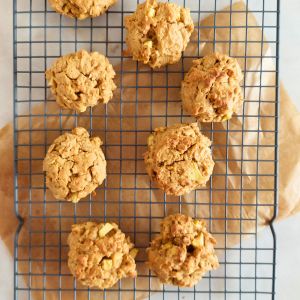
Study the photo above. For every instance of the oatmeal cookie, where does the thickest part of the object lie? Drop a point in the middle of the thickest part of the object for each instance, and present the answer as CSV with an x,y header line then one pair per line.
x,y
81,9
179,158
183,252
100,254
81,80
211,89
158,33
75,165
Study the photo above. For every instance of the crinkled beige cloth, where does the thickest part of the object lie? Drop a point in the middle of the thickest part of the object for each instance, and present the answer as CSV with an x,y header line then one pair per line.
x,y
240,161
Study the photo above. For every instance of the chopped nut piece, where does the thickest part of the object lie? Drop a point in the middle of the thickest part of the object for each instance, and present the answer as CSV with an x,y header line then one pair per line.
x,y
172,251
107,264
148,44
195,173
133,252
117,259
198,241
150,139
105,229
167,245
151,12
227,117
197,222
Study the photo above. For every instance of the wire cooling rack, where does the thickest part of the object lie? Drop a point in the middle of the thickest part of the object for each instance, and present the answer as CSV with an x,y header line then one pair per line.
x,y
146,99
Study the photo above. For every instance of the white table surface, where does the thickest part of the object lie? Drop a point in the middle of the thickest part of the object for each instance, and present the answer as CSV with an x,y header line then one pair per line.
x,y
288,258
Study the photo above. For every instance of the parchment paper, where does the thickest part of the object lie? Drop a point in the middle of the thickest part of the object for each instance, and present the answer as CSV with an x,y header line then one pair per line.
x,y
152,205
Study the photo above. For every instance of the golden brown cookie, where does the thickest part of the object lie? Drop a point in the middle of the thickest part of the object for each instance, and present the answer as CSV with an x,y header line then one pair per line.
x,y
158,33
179,158
81,80
100,254
211,89
81,9
75,165
183,252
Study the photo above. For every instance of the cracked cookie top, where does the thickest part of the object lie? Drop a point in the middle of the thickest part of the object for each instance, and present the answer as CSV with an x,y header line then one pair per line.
x,y
100,254
179,158
82,79
183,252
81,9
211,89
75,165
158,33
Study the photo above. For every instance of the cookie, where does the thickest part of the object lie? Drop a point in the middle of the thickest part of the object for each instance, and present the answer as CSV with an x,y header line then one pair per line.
x,y
100,254
179,158
81,9
75,165
183,252
211,89
158,33
81,80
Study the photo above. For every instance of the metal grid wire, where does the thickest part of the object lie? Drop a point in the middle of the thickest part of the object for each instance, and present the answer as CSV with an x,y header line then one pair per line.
x,y
247,269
